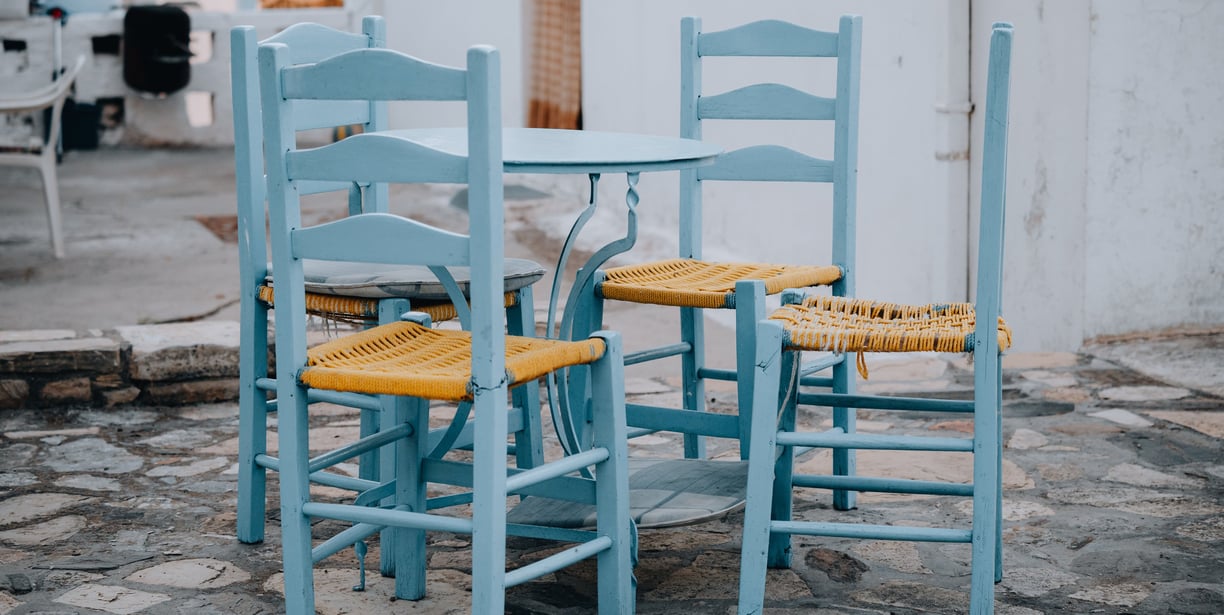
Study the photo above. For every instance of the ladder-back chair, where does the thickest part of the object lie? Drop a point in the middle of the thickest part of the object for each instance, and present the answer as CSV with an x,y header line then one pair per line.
x,y
361,293
813,323
693,284
414,362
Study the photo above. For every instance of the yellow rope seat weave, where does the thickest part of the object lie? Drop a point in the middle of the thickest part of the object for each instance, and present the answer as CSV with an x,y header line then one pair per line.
x,y
839,324
684,282
405,358
361,310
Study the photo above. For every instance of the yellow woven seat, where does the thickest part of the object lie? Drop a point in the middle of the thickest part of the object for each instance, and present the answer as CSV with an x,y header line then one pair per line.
x,y
363,310
839,324
405,358
683,282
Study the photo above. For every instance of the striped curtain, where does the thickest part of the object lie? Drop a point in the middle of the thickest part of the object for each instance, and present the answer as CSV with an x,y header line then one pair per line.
x,y
556,65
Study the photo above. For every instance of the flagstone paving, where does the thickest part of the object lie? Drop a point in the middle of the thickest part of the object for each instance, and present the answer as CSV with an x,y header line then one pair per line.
x,y
1114,503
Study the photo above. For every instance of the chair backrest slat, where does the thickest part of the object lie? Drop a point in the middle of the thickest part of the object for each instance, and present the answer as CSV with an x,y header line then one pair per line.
x,y
377,157
310,42
768,163
767,101
362,74
770,38
378,238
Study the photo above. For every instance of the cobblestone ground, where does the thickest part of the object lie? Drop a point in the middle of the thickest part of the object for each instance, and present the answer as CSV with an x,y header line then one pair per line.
x,y
1113,504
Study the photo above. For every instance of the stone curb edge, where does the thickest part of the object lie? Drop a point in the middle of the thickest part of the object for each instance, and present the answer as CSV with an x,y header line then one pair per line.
x,y
163,364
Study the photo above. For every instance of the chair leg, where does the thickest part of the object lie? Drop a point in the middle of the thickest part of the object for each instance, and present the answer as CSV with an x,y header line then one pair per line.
x,y
987,485
692,332
383,464
529,441
784,462
766,375
616,582
294,492
402,461
51,193
998,431
749,310
844,418
368,465
489,502
252,421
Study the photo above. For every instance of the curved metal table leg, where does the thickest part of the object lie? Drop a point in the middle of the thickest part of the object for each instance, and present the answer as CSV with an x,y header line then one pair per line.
x,y
567,388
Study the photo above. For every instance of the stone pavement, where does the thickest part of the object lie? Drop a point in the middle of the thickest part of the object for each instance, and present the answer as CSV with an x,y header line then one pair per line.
x,y
1114,503
117,441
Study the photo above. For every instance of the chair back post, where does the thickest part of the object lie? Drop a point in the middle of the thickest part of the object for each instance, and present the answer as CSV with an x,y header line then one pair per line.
x,y
690,128
248,166
994,193
279,136
845,151
489,382
376,196
283,213
485,204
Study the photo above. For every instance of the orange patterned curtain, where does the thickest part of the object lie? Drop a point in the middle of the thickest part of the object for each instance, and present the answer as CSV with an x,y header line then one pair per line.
x,y
556,65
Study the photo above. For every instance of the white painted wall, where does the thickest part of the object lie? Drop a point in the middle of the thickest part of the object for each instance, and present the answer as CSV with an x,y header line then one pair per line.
x,y
442,32
1154,229
1114,225
912,217
1044,254
1115,202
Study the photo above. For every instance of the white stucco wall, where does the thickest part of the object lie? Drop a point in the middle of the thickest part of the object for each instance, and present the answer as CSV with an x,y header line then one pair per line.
x,y
1115,221
442,32
1116,169
1154,229
1043,289
912,220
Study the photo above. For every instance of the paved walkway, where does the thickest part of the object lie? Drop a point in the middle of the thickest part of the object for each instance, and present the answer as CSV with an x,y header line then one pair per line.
x,y
1114,501
1114,469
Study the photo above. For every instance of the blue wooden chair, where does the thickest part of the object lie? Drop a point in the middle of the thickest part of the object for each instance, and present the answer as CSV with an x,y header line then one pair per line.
x,y
362,293
693,284
414,362
858,325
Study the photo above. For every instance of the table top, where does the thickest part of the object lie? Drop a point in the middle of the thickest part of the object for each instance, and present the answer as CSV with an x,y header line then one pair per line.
x,y
546,150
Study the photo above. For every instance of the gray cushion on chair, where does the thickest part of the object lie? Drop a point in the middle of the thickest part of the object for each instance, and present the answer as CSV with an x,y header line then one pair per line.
x,y
374,281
